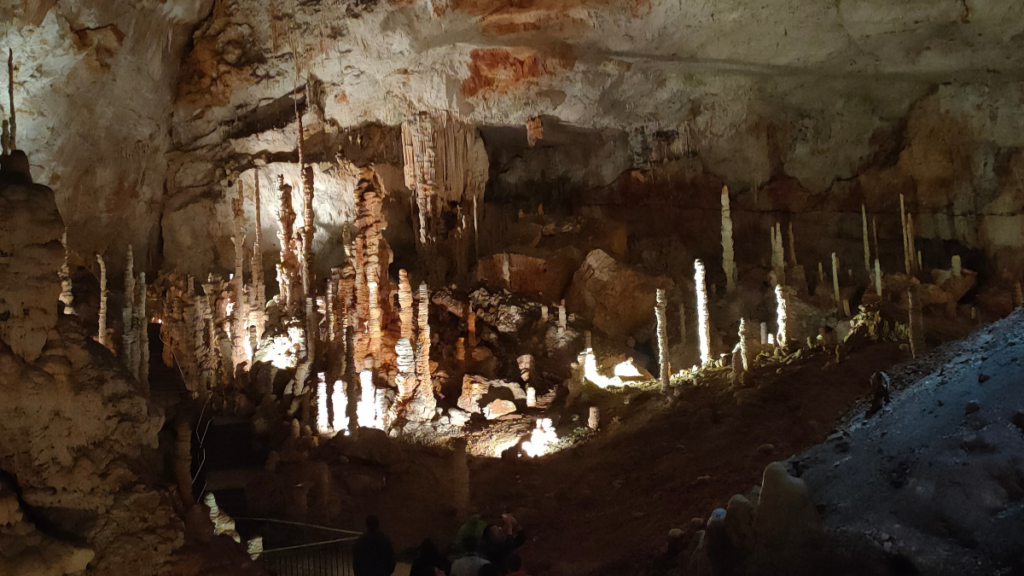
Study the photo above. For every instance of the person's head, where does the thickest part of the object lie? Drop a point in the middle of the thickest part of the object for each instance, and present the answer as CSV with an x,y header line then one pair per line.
x,y
372,524
489,569
514,564
495,533
428,549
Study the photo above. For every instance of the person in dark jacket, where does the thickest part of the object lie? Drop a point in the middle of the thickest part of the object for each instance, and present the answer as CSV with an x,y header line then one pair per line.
x,y
373,554
429,561
498,544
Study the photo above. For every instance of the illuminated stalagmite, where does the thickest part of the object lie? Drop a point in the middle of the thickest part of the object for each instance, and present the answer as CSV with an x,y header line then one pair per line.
x,y
406,312
424,402
662,328
906,242
728,258
288,280
240,310
703,323
744,352
67,299
781,316
878,277
101,335
258,291
835,280
406,380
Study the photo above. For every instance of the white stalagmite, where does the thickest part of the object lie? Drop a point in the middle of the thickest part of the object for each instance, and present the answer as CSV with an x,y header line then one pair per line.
x,y
878,277
323,424
703,324
594,420
781,316
764,333
366,410
957,270
662,328
835,279
920,261
406,378
744,355
562,321
906,243
728,261
339,405
867,244
66,296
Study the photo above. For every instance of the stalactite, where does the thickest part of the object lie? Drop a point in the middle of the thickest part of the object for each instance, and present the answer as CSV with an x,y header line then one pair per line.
x,y
955,266
878,278
781,316
101,336
835,280
703,322
728,261
915,323
744,353
66,296
906,243
864,232
662,330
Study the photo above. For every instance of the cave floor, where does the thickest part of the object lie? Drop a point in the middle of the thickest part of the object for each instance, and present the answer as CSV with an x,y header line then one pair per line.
x,y
606,506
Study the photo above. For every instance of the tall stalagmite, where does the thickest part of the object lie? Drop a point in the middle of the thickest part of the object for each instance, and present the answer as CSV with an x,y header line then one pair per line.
x,y
878,278
835,282
129,352
288,280
728,257
744,352
240,312
662,327
911,248
906,242
67,298
781,317
864,232
405,303
425,401
101,335
258,294
703,323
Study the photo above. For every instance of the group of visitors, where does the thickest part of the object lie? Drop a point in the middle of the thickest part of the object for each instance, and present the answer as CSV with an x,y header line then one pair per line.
x,y
482,549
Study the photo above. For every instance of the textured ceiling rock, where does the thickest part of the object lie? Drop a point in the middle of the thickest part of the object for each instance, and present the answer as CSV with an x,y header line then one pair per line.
x,y
94,84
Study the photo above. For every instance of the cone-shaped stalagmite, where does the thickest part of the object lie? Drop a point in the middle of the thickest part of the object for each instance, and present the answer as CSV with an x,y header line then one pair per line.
x,y
728,261
878,277
703,324
906,242
662,327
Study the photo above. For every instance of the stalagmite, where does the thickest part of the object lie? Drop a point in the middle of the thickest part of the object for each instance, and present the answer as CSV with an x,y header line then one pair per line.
x,y
240,312
367,410
778,255
257,308
323,423
911,249
544,313
101,336
792,247
955,263
10,94
915,323
183,461
425,400
142,323
874,234
525,363
821,274
864,231
594,420
703,324
460,479
406,378
906,243
682,325
728,262
406,313
374,325
878,278
128,352
662,328
339,407
744,353
66,296
920,261
531,397
308,217
764,333
287,269
781,316
835,279
562,322
846,308
471,326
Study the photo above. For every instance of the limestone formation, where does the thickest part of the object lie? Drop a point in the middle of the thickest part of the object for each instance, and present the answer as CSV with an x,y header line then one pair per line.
x,y
792,247
835,281
339,407
594,418
781,316
101,334
955,266
288,280
662,331
13,125
878,278
744,352
534,130
406,312
703,323
323,421
911,248
67,298
906,241
425,400
728,262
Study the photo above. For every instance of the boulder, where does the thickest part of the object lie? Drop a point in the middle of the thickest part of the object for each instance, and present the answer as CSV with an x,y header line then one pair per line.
x,y
538,274
498,408
617,300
